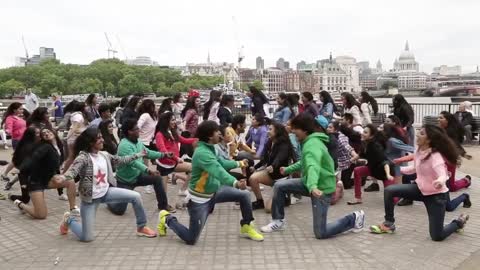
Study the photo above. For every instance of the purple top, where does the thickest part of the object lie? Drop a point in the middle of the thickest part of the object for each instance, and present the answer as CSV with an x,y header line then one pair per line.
x,y
259,137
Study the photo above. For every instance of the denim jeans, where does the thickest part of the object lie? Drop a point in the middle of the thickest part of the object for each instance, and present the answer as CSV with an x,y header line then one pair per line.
x,y
142,180
199,212
435,204
88,211
320,206
411,135
453,204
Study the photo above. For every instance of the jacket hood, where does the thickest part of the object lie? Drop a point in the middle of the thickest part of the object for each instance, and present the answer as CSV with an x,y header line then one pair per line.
x,y
322,136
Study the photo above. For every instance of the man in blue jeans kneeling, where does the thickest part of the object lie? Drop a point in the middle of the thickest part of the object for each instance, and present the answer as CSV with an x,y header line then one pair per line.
x,y
318,182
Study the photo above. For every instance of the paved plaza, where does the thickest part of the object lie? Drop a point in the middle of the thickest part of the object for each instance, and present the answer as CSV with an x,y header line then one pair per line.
x,y
36,244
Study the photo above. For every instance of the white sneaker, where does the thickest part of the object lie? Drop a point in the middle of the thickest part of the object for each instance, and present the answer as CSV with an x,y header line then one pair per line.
x,y
182,192
294,200
63,197
75,212
17,204
148,189
5,147
359,221
262,188
275,225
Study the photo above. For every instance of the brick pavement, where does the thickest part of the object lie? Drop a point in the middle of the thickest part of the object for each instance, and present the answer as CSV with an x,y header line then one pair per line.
x,y
34,244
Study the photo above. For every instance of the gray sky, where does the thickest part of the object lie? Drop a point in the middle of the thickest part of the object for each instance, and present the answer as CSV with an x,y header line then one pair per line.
x,y
181,31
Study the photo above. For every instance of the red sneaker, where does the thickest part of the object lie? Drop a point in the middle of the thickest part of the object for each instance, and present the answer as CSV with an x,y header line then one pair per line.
x,y
146,232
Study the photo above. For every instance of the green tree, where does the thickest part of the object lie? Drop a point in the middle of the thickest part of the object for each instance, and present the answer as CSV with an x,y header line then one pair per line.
x,y
179,87
131,84
258,84
11,87
52,83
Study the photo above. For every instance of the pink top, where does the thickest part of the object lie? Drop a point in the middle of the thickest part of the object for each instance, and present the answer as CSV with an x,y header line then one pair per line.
x,y
166,145
428,171
15,126
191,121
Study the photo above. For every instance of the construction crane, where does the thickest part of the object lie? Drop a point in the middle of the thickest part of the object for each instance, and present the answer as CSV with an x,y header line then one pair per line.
x,y
26,50
241,55
110,48
121,47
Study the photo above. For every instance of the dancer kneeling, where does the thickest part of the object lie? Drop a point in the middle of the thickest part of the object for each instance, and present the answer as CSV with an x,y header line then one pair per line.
x,y
210,184
434,149
318,182
97,185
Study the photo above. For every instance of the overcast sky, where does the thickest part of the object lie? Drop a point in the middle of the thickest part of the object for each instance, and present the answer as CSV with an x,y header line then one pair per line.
x,y
180,31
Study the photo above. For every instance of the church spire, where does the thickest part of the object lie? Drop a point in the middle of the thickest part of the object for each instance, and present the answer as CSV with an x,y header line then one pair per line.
x,y
208,58
407,48
331,60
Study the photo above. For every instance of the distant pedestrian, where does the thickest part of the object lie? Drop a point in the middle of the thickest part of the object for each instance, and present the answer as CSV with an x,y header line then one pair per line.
x,y
31,101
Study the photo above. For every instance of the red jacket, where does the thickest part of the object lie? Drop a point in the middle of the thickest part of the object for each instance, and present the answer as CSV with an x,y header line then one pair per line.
x,y
166,145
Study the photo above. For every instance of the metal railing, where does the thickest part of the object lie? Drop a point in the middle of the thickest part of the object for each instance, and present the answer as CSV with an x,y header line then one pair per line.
x,y
420,109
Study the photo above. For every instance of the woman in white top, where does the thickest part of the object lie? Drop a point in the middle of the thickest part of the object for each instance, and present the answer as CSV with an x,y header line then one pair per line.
x,y
369,106
210,108
78,123
147,122
177,108
352,107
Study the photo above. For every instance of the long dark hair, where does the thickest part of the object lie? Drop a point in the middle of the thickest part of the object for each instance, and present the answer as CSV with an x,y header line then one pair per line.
x,y
57,140
25,145
326,98
165,106
366,98
123,102
11,111
226,99
38,117
398,100
133,102
350,100
454,129
163,126
377,137
281,137
147,106
89,100
110,142
190,105
257,93
391,131
286,103
441,143
214,96
86,139
70,107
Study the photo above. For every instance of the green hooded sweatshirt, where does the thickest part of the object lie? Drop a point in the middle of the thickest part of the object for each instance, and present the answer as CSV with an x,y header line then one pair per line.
x,y
209,172
316,164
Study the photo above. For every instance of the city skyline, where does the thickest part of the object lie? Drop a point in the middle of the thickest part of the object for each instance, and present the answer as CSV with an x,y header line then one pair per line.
x,y
309,31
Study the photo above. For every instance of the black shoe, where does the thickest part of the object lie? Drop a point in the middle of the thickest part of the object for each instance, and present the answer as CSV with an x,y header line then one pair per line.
x,y
364,180
467,203
373,187
258,204
8,186
404,202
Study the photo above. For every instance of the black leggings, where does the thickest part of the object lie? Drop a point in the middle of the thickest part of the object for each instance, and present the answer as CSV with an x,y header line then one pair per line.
x,y
25,197
435,204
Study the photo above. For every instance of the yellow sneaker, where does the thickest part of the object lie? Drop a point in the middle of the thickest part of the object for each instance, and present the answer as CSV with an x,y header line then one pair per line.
x,y
162,222
249,231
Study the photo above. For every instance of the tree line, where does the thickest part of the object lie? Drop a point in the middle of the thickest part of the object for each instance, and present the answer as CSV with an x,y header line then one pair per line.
x,y
105,75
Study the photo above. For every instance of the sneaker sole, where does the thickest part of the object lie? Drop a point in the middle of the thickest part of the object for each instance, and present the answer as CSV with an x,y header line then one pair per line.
x,y
146,235
276,230
243,235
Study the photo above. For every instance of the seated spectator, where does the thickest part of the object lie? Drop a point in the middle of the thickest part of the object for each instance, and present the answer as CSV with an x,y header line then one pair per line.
x,y
465,119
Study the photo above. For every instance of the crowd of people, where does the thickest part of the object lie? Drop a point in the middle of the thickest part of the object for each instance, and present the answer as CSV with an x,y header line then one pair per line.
x,y
308,148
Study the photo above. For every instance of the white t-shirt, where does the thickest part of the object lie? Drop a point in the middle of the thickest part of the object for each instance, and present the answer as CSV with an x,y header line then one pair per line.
x,y
77,118
100,176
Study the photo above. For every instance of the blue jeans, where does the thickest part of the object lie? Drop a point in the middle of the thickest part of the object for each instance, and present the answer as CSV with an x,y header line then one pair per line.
x,y
320,206
199,212
453,204
435,204
88,211
142,180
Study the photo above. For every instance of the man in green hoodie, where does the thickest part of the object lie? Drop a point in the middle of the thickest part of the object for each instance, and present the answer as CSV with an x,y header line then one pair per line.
x,y
318,182
210,184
